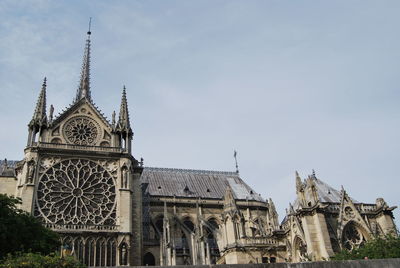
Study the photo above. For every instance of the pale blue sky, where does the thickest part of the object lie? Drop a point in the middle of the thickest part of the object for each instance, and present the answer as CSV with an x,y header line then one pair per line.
x,y
292,85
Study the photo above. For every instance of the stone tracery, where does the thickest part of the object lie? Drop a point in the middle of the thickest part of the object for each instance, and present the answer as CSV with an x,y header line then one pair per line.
x,y
77,191
81,130
352,237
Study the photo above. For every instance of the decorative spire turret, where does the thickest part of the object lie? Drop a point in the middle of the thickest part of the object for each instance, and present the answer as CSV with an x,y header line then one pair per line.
x,y
84,84
123,124
39,117
273,214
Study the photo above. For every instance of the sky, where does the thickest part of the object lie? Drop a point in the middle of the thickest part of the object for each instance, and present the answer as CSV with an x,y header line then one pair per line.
x,y
290,85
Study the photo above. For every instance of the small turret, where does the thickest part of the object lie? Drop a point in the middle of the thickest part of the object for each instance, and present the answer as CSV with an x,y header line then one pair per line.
x,y
273,214
123,126
39,118
123,120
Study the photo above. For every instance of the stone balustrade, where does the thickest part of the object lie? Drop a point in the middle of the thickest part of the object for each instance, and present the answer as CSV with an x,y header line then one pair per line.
x,y
79,147
78,227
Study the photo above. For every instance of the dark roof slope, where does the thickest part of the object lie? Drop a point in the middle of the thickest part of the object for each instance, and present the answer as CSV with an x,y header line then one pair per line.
x,y
196,183
326,194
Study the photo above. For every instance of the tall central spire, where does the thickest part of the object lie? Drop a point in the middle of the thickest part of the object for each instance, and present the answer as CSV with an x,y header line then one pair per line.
x,y
84,84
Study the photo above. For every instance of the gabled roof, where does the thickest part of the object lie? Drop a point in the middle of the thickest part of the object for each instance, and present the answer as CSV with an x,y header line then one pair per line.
x,y
196,183
326,193
75,105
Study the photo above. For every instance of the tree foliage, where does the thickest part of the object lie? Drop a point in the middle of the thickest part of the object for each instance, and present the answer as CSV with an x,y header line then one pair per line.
x,y
33,260
21,232
377,248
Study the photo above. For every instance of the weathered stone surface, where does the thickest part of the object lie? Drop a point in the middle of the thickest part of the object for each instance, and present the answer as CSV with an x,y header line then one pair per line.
x,y
384,263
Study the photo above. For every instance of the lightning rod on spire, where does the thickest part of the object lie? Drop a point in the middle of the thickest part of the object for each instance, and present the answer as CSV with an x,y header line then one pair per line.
x,y
236,163
90,24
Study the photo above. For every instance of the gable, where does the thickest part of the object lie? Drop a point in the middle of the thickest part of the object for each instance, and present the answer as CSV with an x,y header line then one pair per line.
x,y
81,124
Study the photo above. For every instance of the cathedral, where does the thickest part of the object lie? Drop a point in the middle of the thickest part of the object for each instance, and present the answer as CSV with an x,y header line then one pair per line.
x,y
79,178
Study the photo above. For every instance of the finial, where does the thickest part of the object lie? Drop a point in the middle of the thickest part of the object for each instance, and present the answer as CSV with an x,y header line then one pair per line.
x,y
90,24
83,90
141,161
113,118
236,163
313,173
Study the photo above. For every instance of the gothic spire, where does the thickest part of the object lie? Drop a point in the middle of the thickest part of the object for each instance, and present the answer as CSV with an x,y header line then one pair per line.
x,y
123,121
39,115
84,84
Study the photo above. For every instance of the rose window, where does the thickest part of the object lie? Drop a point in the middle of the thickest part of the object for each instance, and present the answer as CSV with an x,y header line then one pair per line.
x,y
349,212
77,191
81,130
352,237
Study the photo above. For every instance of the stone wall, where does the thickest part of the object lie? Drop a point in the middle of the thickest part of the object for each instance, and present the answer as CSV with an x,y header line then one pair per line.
x,y
386,263
8,185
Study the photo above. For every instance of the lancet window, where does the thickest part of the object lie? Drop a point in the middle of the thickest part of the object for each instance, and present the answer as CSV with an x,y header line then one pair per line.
x,y
92,250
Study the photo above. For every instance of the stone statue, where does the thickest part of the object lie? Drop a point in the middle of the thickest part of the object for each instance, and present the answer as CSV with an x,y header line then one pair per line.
x,y
51,112
381,203
113,118
125,176
31,171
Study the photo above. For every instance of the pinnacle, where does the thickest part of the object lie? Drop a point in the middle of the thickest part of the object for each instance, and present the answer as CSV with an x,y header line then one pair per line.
x,y
39,116
123,120
84,84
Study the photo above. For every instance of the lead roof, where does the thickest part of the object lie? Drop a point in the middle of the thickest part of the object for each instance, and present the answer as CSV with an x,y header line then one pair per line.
x,y
326,194
196,183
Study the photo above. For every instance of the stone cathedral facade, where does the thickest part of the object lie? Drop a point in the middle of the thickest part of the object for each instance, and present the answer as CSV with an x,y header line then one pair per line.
x,y
80,178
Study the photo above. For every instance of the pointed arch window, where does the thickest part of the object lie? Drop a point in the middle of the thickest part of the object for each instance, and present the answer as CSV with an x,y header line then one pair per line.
x,y
352,236
123,254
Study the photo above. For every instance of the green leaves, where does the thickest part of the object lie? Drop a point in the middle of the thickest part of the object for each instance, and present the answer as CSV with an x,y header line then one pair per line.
x,y
378,248
21,232
32,260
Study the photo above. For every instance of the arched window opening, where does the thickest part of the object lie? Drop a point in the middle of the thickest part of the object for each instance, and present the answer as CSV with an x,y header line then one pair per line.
x,y
78,249
111,252
149,260
160,224
100,252
211,241
256,229
300,250
89,252
352,237
189,224
123,254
